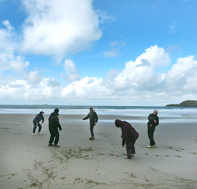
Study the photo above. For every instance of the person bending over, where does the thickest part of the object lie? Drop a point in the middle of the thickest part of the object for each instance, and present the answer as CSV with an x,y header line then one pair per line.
x,y
36,121
129,137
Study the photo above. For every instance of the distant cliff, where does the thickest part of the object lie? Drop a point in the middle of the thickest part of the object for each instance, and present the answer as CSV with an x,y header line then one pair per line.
x,y
186,103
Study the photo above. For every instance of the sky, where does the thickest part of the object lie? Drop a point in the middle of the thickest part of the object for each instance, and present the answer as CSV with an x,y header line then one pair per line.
x,y
98,52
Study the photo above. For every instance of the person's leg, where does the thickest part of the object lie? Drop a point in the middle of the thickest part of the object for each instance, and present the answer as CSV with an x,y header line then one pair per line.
x,y
129,147
153,141
133,149
91,130
40,127
150,136
34,128
51,137
56,137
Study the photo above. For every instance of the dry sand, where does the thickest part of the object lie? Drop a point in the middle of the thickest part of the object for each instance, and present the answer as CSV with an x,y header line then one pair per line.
x,y
26,161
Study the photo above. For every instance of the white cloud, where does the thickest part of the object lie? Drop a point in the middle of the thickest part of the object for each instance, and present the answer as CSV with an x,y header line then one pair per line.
x,y
11,62
110,54
117,43
137,84
115,47
104,17
8,61
72,73
86,88
139,81
154,56
140,74
182,76
59,27
23,90
8,25
6,38
54,83
32,77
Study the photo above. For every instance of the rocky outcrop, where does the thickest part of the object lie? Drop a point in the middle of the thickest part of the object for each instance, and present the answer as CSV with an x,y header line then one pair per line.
x,y
186,103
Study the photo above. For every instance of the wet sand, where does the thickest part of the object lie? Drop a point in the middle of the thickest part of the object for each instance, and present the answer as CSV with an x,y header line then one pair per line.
x,y
26,161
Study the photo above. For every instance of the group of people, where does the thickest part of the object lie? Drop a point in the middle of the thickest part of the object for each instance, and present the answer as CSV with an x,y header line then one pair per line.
x,y
54,125
129,134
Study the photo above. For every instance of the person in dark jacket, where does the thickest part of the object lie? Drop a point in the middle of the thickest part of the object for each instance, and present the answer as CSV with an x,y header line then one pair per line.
x,y
92,116
153,121
53,128
129,136
36,121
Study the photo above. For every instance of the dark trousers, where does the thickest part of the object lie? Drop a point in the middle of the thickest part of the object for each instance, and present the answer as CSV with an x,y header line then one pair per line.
x,y
54,134
130,148
35,126
151,136
91,129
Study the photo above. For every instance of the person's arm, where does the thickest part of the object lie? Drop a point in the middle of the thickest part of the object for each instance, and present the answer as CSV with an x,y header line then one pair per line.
x,y
86,117
157,120
60,127
151,118
58,123
36,119
96,118
124,135
42,119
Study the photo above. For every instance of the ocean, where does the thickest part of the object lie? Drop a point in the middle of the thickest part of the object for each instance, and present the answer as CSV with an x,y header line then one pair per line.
x,y
168,114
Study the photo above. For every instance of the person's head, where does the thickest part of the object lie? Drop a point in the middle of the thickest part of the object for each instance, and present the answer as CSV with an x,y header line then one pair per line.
x,y
118,123
155,112
91,109
56,110
42,112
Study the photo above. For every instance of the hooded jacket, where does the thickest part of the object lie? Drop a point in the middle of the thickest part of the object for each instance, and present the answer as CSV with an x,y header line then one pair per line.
x,y
92,117
38,118
54,121
129,134
151,119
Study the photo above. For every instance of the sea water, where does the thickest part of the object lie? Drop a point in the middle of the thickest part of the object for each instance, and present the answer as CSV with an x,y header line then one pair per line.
x,y
167,114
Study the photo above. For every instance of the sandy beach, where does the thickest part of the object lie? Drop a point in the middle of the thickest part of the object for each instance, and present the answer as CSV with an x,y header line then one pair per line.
x,y
26,161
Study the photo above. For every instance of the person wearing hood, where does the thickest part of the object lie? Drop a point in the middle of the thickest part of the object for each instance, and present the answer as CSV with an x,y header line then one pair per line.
x,y
153,121
54,125
129,136
92,116
36,121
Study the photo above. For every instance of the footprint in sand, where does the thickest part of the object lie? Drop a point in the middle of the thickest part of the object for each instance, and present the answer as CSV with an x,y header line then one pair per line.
x,y
193,153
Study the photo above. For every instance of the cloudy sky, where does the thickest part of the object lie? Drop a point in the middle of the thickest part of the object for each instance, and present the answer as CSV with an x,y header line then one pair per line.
x,y
98,52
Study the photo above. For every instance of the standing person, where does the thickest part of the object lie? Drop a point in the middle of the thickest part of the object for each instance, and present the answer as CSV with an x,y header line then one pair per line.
x,y
53,128
153,121
36,121
129,136
93,121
